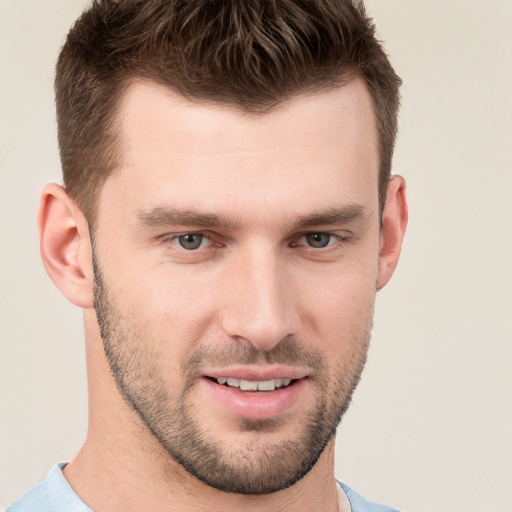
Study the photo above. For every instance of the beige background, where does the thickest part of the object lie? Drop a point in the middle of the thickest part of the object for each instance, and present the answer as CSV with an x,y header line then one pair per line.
x,y
430,427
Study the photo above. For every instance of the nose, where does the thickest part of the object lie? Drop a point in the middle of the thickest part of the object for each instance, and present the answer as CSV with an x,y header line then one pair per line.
x,y
259,300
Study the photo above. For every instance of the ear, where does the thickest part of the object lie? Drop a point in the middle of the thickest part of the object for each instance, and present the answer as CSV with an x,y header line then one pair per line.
x,y
394,222
65,245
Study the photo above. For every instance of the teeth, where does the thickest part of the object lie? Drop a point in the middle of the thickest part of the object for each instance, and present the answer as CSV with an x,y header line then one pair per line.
x,y
267,385
248,385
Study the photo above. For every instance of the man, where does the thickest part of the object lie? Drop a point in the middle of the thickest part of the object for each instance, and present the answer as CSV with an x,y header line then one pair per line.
x,y
227,218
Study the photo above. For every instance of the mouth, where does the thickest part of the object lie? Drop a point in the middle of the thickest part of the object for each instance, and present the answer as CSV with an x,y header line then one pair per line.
x,y
256,394
254,385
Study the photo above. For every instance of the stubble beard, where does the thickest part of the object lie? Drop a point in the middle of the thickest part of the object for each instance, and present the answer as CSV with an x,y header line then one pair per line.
x,y
252,468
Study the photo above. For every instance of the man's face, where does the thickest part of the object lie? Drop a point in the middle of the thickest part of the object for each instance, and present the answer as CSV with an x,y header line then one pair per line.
x,y
236,261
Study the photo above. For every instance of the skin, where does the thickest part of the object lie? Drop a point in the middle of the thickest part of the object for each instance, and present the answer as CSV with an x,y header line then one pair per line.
x,y
254,282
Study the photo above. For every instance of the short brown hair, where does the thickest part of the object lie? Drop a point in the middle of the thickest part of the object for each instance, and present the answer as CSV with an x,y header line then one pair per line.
x,y
251,54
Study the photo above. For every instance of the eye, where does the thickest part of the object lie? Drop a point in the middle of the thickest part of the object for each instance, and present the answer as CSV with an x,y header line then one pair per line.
x,y
192,241
318,240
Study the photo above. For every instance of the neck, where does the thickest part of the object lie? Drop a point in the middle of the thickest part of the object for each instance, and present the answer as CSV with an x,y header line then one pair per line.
x,y
123,480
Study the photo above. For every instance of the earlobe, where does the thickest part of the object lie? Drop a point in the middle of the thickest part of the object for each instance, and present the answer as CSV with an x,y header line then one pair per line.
x,y
394,223
65,245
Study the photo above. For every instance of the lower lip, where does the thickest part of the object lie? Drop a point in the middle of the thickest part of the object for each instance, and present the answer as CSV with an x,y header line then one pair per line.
x,y
255,405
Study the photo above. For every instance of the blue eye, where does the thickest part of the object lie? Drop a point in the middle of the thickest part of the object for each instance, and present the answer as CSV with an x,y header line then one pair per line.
x,y
318,240
191,241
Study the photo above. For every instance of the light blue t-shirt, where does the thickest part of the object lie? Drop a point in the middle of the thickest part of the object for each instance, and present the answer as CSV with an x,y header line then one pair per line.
x,y
54,494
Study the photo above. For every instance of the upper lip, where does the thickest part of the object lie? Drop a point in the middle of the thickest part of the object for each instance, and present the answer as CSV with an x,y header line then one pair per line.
x,y
258,373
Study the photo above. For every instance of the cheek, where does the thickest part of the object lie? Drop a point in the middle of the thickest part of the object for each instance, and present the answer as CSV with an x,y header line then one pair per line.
x,y
340,298
175,306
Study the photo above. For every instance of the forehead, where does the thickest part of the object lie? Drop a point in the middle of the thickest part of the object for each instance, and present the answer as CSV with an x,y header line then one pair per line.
x,y
322,145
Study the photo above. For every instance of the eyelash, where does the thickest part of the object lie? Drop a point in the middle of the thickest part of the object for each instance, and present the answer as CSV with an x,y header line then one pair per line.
x,y
334,239
174,240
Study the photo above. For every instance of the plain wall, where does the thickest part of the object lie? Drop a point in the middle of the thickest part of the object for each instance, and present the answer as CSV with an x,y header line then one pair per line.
x,y
430,425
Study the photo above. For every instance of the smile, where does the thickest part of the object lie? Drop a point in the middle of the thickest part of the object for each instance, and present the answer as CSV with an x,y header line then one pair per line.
x,y
256,396
248,385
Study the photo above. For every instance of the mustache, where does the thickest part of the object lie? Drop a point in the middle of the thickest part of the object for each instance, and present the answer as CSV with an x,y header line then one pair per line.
x,y
289,351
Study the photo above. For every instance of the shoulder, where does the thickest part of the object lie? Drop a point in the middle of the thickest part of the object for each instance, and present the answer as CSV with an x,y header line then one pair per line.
x,y
360,504
53,494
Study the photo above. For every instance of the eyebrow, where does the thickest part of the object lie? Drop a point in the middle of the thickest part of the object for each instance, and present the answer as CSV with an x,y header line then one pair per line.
x,y
166,216
333,216
172,216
